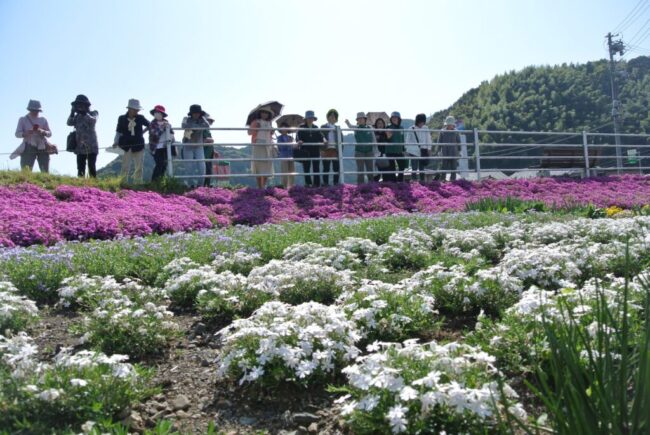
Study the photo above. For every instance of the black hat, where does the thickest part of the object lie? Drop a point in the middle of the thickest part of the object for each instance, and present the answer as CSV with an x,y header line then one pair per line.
x,y
81,99
420,117
196,108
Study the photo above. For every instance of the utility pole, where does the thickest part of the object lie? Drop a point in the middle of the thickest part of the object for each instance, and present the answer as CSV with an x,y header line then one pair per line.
x,y
613,48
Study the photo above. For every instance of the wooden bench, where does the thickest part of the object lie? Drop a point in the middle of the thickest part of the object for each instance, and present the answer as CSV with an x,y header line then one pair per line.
x,y
568,157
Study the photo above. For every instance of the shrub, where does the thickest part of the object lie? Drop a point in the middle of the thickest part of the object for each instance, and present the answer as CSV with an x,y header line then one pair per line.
x,y
304,344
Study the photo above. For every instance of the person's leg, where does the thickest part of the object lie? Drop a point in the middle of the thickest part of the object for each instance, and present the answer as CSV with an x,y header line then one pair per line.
x,y
326,168
81,165
306,169
423,164
138,161
360,165
368,166
315,165
208,171
337,171
28,157
92,165
291,179
454,165
401,165
157,166
390,169
126,164
284,168
43,162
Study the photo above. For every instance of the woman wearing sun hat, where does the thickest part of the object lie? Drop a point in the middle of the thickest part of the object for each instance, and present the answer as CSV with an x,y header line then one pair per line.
x,y
34,130
262,147
364,149
310,140
448,138
395,148
160,135
130,129
196,133
84,121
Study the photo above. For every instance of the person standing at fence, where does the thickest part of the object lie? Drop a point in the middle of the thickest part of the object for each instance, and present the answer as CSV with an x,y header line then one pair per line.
x,y
34,130
130,138
330,150
262,147
381,138
160,136
84,122
196,132
309,142
419,145
208,152
448,140
395,149
285,152
363,149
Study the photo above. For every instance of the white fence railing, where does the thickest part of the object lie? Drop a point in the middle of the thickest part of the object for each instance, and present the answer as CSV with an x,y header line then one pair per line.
x,y
477,154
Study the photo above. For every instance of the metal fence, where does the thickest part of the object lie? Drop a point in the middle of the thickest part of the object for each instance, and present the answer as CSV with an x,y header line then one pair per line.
x,y
478,154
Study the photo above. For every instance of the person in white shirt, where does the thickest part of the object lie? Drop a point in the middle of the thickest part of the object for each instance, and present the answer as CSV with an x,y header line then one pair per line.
x,y
418,144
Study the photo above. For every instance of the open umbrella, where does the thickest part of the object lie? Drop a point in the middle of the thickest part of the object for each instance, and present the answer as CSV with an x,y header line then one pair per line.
x,y
293,120
273,106
374,116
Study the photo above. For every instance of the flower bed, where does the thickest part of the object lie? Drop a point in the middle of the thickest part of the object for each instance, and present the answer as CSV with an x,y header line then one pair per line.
x,y
32,215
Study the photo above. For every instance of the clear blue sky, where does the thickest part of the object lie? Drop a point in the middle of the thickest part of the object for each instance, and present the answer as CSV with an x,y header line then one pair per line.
x,y
370,55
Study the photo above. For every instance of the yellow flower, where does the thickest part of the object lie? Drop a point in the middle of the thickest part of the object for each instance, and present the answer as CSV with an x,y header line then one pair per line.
x,y
613,210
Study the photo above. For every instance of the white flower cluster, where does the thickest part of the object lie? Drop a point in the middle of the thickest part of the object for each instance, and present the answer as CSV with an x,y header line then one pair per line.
x,y
16,311
406,248
389,311
282,342
19,355
363,248
319,255
238,262
298,281
129,318
86,292
456,291
230,297
175,268
413,385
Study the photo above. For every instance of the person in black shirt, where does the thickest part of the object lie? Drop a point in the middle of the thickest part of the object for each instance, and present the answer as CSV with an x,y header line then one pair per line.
x,y
130,138
309,143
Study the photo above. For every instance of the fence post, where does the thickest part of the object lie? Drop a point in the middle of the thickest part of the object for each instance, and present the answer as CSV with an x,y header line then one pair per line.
x,y
339,149
585,150
170,164
477,153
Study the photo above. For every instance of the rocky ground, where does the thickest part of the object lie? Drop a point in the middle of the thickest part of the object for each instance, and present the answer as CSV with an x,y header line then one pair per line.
x,y
190,395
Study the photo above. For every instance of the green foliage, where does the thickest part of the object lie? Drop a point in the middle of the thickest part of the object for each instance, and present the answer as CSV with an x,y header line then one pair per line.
x,y
506,205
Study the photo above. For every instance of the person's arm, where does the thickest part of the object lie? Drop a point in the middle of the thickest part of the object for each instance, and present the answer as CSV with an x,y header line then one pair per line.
x,y
20,132
45,130
251,130
347,122
93,117
146,122
71,118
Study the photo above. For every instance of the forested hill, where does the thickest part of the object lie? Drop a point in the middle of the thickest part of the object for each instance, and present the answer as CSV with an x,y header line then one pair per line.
x,y
558,98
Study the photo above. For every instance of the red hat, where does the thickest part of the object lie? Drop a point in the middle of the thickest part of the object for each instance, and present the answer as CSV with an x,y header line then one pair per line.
x,y
160,109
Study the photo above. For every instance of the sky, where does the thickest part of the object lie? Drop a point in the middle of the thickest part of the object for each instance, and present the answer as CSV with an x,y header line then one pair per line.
x,y
414,56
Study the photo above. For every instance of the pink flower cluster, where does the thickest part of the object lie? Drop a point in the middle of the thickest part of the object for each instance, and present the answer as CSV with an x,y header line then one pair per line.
x,y
31,215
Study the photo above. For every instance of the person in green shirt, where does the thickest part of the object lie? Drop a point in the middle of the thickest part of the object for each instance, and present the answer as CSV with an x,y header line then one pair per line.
x,y
363,150
395,148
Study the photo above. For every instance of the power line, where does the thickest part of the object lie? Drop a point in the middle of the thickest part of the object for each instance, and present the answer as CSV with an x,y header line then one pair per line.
x,y
643,28
624,24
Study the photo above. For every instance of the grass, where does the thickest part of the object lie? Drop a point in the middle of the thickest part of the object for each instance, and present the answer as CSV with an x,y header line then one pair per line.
x,y
38,271
111,184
